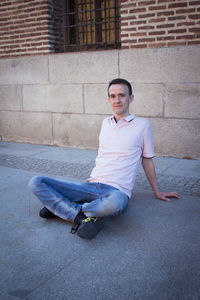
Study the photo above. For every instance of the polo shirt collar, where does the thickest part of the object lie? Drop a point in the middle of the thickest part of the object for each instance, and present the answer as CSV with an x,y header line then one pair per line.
x,y
129,118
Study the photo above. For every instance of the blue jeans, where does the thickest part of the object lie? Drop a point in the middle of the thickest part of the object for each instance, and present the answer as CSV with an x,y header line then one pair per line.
x,y
65,199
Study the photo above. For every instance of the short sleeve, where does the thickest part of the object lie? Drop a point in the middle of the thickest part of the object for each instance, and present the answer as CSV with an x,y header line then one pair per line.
x,y
148,147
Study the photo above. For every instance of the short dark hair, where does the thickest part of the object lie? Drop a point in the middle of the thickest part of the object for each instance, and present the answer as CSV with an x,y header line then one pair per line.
x,y
120,81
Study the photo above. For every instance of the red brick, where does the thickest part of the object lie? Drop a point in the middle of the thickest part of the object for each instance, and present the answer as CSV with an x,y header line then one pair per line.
x,y
177,31
193,42
194,3
123,11
185,24
176,18
144,40
194,17
165,38
129,41
124,47
124,24
176,5
128,5
139,46
146,3
157,7
138,22
128,18
174,44
165,13
146,16
157,33
157,45
194,29
185,11
158,20
129,29
165,26
139,34
137,10
162,1
124,35
146,27
186,37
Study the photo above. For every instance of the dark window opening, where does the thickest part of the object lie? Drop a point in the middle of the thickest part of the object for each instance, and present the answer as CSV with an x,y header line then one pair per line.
x,y
91,24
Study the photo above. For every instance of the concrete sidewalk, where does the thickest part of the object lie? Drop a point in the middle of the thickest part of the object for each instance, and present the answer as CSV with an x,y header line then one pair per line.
x,y
150,252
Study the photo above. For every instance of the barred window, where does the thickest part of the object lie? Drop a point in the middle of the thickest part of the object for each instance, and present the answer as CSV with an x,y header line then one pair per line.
x,y
91,24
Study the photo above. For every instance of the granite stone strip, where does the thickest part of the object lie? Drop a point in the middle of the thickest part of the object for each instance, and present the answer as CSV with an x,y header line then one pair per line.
x,y
183,185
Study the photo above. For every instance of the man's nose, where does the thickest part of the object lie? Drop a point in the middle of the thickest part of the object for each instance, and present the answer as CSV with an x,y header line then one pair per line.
x,y
117,99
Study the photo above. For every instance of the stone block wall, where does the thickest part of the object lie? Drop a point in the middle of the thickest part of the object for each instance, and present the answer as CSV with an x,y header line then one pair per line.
x,y
61,99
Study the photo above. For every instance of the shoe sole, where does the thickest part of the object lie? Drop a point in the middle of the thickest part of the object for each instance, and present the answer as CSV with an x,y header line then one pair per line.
x,y
91,229
46,214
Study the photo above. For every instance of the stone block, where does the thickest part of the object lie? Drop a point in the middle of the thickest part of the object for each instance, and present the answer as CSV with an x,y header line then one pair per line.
x,y
176,137
84,67
161,64
24,70
11,97
148,100
80,131
53,98
26,127
96,99
183,101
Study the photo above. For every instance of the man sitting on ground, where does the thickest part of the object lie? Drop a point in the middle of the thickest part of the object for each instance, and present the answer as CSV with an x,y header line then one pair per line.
x,y
125,140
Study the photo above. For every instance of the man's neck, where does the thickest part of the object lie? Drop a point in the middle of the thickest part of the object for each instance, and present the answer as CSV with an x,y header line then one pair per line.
x,y
117,118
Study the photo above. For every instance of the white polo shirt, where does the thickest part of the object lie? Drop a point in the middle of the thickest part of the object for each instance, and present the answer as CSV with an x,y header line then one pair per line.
x,y
121,146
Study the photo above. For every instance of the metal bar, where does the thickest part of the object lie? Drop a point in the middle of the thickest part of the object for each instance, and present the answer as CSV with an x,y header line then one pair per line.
x,y
67,23
86,27
105,23
76,25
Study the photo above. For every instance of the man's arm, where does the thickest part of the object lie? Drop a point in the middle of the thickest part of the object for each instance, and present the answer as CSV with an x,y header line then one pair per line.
x,y
149,169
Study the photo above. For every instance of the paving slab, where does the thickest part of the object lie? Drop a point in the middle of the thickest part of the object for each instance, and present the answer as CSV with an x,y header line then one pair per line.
x,y
151,252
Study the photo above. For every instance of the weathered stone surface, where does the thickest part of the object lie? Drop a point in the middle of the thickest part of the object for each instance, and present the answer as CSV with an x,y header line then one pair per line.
x,y
96,99
148,100
176,137
72,87
161,65
183,101
26,127
85,67
10,97
24,70
77,130
53,98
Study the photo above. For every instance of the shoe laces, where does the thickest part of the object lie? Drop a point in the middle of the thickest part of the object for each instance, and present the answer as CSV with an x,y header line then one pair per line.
x,y
89,219
75,227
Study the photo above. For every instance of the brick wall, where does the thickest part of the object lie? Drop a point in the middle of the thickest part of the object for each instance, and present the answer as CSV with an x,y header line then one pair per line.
x,y
159,23
36,26
28,27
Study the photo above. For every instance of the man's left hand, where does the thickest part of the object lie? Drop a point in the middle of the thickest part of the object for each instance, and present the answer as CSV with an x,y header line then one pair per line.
x,y
165,196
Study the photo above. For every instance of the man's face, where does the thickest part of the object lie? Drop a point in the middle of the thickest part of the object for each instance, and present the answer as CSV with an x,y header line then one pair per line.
x,y
120,100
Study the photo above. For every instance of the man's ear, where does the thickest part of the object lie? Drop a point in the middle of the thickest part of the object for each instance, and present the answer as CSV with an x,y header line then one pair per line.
x,y
131,98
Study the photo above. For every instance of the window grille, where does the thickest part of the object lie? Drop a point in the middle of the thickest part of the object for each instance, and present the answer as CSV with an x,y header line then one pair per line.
x,y
91,24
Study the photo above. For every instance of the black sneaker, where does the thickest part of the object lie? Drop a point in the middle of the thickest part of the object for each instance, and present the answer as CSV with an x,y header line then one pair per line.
x,y
90,227
46,214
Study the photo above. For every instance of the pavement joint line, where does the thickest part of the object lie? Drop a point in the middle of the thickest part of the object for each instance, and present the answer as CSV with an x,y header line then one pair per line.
x,y
81,171
53,275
